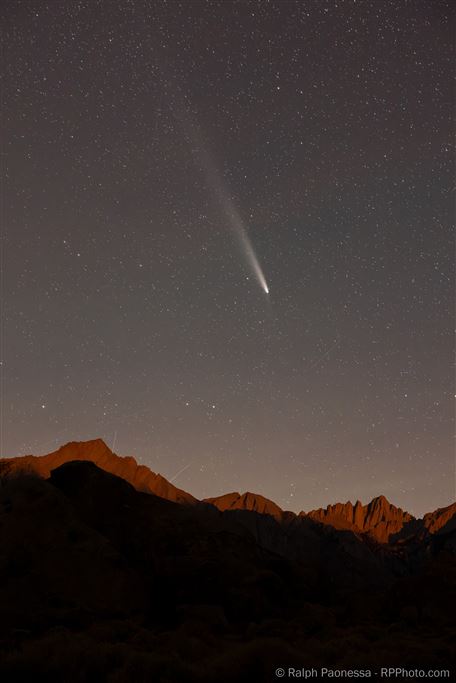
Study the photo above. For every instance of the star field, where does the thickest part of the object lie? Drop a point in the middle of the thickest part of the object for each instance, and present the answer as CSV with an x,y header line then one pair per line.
x,y
129,312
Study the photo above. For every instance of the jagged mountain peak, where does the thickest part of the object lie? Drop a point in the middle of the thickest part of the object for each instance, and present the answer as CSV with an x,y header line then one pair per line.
x,y
379,518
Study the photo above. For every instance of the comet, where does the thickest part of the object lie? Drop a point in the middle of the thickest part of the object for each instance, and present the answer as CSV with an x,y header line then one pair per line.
x,y
241,234
224,199
252,258
231,212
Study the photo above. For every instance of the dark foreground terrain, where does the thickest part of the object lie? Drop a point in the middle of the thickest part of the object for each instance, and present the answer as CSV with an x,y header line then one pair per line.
x,y
102,582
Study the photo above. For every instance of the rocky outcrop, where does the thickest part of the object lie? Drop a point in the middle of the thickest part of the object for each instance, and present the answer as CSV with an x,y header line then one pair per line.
x,y
247,501
379,518
441,520
96,451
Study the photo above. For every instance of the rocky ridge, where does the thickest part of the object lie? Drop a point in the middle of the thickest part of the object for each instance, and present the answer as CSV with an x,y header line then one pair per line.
x,y
380,520
96,451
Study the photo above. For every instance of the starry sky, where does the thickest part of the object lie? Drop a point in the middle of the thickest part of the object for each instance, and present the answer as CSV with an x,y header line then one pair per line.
x,y
141,139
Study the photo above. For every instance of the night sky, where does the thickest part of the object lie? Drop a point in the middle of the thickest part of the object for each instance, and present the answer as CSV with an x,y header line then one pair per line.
x,y
153,151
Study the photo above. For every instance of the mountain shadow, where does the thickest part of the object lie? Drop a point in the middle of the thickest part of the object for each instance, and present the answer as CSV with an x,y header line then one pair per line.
x,y
103,582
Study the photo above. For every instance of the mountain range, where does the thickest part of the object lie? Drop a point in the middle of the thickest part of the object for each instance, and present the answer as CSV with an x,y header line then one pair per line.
x,y
108,572
379,519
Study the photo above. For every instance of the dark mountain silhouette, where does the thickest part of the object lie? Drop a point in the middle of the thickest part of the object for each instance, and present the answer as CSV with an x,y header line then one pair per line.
x,y
103,581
